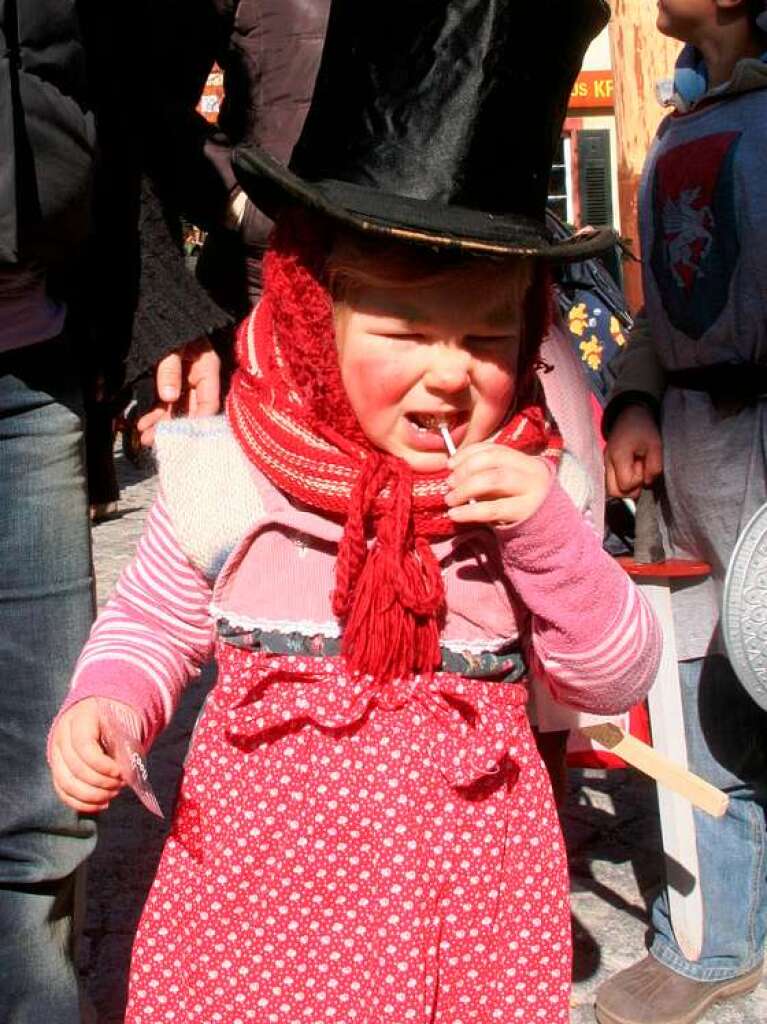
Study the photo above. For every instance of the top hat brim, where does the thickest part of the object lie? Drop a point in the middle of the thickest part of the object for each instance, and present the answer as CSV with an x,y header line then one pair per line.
x,y
744,608
272,186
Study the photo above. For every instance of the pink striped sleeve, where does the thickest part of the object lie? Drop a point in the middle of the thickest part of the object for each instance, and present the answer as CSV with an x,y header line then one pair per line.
x,y
154,634
594,638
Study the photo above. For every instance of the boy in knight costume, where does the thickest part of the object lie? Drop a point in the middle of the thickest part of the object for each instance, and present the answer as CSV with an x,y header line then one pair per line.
x,y
697,366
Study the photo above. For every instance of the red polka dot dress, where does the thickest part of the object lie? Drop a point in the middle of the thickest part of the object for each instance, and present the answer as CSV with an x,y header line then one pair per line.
x,y
350,853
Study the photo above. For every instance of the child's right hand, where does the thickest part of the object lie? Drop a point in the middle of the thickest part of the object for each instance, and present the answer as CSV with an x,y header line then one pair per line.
x,y
634,453
84,777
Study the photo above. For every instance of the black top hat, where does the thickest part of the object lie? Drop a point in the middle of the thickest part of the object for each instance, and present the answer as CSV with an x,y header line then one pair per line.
x,y
436,121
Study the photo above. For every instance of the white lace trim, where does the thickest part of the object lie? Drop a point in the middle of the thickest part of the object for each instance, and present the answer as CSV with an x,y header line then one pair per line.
x,y
332,631
481,646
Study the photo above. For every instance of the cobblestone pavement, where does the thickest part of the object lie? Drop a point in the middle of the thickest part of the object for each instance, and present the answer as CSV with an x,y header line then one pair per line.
x,y
610,823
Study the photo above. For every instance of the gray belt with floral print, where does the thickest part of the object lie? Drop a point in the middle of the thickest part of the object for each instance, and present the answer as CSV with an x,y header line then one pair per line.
x,y
506,665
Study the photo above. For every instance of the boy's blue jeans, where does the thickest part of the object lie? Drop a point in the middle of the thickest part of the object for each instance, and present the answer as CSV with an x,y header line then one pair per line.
x,y
726,744
45,612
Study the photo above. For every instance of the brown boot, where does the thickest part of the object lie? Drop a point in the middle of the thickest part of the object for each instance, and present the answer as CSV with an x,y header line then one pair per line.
x,y
651,993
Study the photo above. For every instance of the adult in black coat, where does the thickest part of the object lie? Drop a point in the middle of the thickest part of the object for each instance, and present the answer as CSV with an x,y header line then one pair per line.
x,y
132,300
269,51
129,299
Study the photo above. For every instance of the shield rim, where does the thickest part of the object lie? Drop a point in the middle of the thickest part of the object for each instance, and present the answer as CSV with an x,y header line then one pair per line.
x,y
746,549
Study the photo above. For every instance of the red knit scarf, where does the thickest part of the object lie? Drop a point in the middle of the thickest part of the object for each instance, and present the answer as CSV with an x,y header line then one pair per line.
x,y
288,409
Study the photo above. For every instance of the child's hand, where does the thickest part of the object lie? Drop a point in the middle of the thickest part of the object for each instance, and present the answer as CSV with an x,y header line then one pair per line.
x,y
84,777
490,483
634,453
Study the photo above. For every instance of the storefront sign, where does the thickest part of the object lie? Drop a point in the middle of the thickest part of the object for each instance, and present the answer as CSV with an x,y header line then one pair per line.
x,y
593,89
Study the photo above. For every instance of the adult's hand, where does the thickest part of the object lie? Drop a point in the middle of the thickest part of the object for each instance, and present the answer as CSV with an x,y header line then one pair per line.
x,y
634,453
187,382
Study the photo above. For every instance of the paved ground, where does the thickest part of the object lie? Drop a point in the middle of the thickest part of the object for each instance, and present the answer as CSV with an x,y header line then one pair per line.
x,y
610,823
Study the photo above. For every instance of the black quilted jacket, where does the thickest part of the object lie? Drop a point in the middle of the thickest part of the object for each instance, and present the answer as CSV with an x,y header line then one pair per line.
x,y
46,131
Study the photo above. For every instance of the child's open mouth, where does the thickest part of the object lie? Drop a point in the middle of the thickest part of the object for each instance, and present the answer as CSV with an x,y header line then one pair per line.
x,y
426,428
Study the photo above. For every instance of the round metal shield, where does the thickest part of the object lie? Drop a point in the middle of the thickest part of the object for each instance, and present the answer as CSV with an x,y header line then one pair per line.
x,y
744,608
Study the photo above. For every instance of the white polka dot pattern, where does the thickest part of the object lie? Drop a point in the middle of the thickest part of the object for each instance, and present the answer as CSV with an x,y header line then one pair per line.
x,y
320,873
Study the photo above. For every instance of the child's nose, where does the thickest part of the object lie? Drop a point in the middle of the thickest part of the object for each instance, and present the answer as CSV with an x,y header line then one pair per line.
x,y
448,369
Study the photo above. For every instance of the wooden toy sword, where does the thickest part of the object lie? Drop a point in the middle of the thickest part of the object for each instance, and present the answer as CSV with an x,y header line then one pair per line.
x,y
653,573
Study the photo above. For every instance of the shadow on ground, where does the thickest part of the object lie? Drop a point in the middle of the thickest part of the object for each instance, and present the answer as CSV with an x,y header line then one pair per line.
x,y
613,841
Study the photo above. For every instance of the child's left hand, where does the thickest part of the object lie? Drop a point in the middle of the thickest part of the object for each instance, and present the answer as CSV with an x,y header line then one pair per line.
x,y
490,483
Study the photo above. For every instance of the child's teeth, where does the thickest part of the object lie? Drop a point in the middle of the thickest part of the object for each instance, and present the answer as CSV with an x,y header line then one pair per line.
x,y
428,421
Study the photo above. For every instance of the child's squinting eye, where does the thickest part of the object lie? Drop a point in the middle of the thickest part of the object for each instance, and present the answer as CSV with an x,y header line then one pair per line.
x,y
469,341
402,335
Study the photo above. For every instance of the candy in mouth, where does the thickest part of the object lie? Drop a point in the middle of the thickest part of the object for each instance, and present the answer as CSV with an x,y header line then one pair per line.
x,y
433,422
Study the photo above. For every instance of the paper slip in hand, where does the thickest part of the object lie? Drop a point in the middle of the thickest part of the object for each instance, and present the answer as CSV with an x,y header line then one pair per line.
x,y
121,739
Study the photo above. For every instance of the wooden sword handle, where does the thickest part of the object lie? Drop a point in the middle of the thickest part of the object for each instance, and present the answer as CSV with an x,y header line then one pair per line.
x,y
642,756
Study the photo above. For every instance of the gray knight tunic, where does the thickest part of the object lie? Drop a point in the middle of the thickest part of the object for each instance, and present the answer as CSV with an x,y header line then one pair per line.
x,y
704,247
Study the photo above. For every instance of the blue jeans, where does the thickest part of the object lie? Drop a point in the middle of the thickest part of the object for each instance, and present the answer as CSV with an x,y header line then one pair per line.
x,y
726,744
46,604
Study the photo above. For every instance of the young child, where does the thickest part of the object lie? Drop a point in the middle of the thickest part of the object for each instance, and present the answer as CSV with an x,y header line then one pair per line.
x,y
698,361
365,830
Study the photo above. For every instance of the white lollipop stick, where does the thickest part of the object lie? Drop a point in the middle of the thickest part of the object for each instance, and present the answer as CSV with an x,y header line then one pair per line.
x,y
451,449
